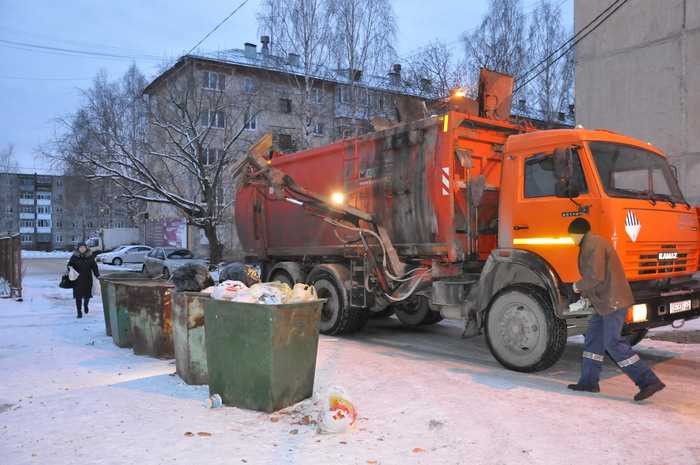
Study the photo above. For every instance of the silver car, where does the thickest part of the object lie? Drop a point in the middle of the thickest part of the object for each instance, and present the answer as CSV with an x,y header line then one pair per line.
x,y
162,261
125,254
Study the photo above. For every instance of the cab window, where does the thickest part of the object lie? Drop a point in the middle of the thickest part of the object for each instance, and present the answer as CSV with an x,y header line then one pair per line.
x,y
539,176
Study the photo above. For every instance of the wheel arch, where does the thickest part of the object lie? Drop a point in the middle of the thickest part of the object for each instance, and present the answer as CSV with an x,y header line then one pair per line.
x,y
293,269
506,268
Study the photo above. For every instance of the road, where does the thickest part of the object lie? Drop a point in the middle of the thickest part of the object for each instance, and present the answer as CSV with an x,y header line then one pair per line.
x,y
425,396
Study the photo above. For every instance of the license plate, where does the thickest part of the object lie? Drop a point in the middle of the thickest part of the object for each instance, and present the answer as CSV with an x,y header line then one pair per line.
x,y
683,306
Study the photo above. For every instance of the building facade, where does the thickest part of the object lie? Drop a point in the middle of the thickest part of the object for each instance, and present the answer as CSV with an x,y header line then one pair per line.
x,y
56,212
638,74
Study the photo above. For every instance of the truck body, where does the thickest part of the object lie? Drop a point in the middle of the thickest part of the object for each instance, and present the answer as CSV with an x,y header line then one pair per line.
x,y
110,238
477,209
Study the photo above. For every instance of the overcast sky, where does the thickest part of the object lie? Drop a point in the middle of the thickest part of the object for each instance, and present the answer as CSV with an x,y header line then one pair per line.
x,y
37,86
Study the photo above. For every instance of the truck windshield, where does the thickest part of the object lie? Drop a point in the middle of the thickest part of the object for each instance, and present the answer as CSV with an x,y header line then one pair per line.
x,y
628,171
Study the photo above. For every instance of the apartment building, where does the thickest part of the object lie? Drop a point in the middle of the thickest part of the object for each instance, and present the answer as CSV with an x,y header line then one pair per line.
x,y
55,212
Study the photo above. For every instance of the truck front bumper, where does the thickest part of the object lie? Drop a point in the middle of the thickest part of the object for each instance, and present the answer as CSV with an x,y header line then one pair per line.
x,y
663,308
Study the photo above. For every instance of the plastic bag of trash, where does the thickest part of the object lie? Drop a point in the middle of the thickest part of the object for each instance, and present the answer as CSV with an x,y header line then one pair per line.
x,y
246,274
338,413
302,293
208,290
273,293
192,277
228,290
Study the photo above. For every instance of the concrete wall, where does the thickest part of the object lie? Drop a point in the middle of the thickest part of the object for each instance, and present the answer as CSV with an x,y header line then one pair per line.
x,y
639,74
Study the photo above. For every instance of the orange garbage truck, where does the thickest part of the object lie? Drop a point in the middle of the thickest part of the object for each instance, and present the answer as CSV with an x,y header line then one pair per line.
x,y
464,215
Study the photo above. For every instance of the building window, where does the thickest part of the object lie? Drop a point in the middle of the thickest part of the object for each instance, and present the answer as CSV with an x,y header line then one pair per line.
x,y
27,238
210,156
380,101
26,223
285,141
26,195
215,119
43,195
540,180
318,129
344,94
43,209
26,209
43,223
250,122
73,238
214,81
285,105
58,238
249,85
316,95
59,182
59,209
59,224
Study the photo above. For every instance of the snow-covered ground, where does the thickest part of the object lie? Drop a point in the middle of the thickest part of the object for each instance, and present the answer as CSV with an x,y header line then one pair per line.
x,y
42,254
68,395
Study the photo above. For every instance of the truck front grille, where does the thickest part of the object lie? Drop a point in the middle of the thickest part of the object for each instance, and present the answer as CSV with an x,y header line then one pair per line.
x,y
643,259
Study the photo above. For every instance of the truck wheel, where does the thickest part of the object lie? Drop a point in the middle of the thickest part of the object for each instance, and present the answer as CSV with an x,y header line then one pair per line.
x,y
117,262
522,332
337,316
635,338
386,313
415,311
283,277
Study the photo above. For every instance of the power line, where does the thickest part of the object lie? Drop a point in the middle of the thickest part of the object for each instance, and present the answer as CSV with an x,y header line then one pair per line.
x,y
75,51
571,39
218,26
520,86
28,78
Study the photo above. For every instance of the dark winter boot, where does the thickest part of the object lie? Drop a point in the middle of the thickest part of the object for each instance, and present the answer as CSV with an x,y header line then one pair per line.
x,y
583,387
86,310
80,314
649,391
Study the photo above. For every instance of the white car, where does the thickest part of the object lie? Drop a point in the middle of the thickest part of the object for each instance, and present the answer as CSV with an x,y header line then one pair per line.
x,y
124,254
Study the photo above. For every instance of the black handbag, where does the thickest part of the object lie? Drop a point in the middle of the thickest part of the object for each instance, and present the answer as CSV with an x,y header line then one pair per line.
x,y
66,283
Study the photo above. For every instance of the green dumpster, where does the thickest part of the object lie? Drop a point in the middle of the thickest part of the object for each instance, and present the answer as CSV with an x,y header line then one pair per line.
x,y
188,336
261,357
108,294
119,313
150,317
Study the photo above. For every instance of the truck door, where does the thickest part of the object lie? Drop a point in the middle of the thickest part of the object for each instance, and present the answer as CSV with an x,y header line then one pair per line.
x,y
540,219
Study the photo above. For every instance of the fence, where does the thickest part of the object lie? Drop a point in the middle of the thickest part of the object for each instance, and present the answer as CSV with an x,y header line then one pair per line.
x,y
11,264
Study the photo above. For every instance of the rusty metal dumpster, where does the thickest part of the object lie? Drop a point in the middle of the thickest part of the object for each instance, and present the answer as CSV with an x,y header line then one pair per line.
x,y
261,357
119,313
109,294
189,337
150,317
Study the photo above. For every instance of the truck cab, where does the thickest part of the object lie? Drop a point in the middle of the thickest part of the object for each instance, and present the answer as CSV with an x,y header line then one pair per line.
x,y
628,192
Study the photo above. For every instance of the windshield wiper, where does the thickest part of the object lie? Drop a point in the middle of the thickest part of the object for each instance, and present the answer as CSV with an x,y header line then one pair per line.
x,y
665,197
637,194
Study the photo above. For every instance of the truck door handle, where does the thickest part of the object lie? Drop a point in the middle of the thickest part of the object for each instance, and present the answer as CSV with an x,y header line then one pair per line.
x,y
519,227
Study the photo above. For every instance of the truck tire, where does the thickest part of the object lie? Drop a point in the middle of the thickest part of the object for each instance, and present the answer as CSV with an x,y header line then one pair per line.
x,y
522,332
283,277
337,316
415,311
635,338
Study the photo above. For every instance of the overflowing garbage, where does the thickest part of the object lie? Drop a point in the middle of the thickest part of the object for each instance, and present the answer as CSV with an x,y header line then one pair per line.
x,y
246,274
273,293
191,277
338,413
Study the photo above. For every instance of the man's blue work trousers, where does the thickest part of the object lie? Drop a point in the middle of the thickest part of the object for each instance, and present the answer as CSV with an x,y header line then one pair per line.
x,y
603,335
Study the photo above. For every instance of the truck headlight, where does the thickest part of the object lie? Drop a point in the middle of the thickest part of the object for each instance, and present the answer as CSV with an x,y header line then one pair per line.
x,y
639,313
338,198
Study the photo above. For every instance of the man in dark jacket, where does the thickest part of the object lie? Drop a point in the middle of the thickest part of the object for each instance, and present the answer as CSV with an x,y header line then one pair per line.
x,y
84,264
604,284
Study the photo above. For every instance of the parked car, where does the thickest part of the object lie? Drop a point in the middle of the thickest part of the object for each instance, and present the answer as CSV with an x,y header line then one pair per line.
x,y
164,260
125,254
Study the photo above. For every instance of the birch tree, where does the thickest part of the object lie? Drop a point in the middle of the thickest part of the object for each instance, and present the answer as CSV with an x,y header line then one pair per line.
x,y
301,27
498,43
364,33
8,162
552,90
178,148
438,63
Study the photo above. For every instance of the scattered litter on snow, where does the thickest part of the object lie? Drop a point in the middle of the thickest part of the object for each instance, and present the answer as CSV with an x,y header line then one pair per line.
x,y
214,401
338,413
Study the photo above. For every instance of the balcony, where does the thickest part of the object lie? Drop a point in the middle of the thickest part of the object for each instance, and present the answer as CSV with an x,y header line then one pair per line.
x,y
43,230
24,230
26,216
26,201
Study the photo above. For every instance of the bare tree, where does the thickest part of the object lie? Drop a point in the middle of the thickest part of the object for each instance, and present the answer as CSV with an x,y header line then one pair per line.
x,y
552,90
364,33
174,148
301,28
8,162
498,43
438,64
